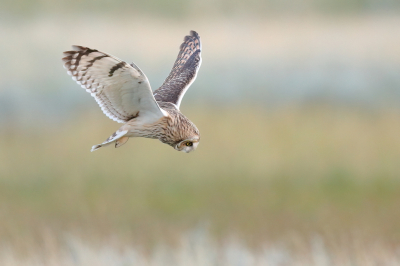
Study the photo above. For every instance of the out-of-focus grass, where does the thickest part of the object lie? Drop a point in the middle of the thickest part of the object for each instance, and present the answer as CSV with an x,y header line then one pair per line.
x,y
260,175
197,248
188,9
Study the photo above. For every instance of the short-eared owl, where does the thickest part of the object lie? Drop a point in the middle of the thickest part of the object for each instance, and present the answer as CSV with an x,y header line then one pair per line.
x,y
124,94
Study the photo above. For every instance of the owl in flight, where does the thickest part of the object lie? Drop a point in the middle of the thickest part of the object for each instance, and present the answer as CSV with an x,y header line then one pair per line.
x,y
124,94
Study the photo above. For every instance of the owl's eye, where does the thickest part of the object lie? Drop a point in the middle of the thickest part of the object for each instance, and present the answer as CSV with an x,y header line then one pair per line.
x,y
189,143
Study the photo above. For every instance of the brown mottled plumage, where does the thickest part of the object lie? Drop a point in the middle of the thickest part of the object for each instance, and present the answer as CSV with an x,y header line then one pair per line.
x,y
124,94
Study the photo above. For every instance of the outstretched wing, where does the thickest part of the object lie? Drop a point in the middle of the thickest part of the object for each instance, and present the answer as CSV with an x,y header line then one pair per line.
x,y
183,73
122,90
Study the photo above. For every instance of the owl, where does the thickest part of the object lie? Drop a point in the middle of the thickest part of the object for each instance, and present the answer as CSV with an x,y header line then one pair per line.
x,y
124,94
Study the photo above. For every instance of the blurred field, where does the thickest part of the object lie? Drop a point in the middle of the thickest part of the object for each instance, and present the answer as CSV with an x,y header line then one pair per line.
x,y
262,177
297,103
271,61
180,9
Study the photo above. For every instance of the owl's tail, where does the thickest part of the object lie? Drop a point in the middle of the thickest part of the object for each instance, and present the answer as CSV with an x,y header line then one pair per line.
x,y
119,138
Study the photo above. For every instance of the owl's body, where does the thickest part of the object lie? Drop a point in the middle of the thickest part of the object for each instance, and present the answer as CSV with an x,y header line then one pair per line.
x,y
124,94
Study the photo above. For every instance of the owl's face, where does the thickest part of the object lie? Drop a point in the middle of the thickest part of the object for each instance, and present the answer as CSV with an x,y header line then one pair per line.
x,y
187,145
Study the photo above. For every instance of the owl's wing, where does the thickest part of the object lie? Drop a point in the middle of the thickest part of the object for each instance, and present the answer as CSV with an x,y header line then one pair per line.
x,y
183,73
122,90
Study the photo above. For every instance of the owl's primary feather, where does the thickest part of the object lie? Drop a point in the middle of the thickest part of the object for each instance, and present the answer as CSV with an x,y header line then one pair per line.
x,y
124,94
121,90
183,72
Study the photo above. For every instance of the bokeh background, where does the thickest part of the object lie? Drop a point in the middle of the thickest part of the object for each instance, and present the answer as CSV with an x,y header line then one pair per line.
x,y
298,107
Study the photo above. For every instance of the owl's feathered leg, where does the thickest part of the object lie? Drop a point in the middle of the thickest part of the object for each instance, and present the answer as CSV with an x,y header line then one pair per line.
x,y
117,136
121,141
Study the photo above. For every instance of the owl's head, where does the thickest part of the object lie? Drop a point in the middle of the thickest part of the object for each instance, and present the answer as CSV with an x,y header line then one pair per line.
x,y
188,145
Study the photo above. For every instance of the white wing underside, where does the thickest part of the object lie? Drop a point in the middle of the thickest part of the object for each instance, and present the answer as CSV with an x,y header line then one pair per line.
x,y
121,90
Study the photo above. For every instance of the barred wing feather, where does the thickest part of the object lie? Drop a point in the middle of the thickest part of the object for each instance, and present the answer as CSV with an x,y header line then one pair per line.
x,y
183,73
122,90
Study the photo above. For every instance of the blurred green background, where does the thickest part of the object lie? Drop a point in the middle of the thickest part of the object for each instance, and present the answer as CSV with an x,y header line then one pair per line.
x,y
297,103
